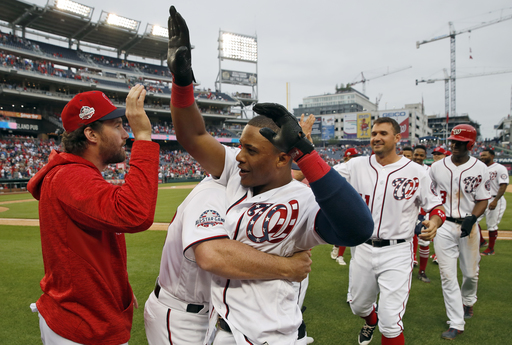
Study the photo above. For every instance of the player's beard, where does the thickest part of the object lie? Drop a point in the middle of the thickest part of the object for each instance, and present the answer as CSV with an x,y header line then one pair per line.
x,y
111,153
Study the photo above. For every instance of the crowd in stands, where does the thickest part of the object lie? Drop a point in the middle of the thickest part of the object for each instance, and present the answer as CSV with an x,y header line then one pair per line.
x,y
168,128
21,157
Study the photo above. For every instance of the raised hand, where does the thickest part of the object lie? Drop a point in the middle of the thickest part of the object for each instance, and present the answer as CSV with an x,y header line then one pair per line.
x,y
290,139
179,57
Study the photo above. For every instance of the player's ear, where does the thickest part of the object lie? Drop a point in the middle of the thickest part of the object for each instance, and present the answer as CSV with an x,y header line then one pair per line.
x,y
283,160
398,137
91,134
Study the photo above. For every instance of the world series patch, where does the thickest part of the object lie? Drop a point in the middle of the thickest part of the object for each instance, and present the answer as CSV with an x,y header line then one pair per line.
x,y
209,218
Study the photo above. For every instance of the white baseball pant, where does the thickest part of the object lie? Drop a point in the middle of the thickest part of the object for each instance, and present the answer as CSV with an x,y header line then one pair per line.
x,y
167,322
386,271
449,247
493,217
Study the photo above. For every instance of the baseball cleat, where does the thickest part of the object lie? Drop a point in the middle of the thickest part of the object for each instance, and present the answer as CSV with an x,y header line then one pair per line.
x,y
366,334
423,277
451,333
341,261
468,312
434,258
487,252
309,340
484,244
334,252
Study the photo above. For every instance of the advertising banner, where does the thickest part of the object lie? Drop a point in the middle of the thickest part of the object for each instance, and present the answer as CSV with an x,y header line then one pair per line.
x,y
350,126
364,125
238,78
21,115
327,127
402,117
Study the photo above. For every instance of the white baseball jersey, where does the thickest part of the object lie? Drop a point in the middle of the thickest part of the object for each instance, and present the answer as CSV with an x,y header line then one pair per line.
x,y
199,218
460,187
498,175
281,222
392,192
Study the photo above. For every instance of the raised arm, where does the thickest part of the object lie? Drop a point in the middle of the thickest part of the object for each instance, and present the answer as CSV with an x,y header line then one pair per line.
x,y
344,219
186,117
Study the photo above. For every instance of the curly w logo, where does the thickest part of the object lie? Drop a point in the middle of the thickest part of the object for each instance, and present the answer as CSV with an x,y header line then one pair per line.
x,y
471,183
405,188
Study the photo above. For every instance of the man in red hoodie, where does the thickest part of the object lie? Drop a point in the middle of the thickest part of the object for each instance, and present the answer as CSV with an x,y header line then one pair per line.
x,y
87,298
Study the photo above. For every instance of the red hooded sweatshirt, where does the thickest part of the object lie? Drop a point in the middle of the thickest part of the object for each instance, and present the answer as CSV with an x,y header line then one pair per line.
x,y
86,294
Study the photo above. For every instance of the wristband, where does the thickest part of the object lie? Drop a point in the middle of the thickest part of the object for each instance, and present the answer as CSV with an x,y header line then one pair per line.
x,y
439,213
313,166
182,96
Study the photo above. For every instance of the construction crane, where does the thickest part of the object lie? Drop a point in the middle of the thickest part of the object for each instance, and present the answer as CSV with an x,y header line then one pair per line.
x,y
447,79
452,35
364,80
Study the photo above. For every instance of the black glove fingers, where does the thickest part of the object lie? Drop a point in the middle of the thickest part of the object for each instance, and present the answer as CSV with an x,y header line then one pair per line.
x,y
268,133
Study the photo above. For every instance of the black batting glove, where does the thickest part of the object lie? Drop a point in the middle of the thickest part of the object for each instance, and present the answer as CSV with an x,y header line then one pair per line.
x,y
179,58
290,138
467,225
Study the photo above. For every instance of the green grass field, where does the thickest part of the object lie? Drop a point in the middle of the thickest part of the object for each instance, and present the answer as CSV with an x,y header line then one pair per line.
x,y
328,317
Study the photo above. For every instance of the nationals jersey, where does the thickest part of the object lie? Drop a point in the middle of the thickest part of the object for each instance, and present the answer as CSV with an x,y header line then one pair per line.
x,y
392,192
498,175
281,222
199,218
460,187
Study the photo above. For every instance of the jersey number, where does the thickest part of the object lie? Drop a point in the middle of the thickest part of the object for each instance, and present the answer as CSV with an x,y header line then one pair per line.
x,y
443,196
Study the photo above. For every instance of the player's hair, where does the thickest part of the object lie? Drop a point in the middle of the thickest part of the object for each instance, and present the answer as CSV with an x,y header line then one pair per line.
x,y
407,148
76,142
394,124
423,147
261,121
488,149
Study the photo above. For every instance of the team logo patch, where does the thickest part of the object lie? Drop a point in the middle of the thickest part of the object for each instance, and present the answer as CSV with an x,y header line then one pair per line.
x,y
488,185
86,112
271,222
471,183
433,188
405,188
209,218
504,176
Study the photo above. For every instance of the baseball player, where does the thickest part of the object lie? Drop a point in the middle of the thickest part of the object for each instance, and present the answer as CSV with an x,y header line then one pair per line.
x,y
407,152
419,156
438,153
498,178
268,210
337,252
176,312
393,187
462,183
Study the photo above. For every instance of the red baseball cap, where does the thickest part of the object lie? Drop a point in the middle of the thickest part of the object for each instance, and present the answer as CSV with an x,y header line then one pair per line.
x,y
448,153
351,152
439,150
87,107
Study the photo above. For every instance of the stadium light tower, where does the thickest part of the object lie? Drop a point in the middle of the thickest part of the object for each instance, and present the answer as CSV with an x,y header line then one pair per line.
x,y
120,22
241,48
159,31
73,8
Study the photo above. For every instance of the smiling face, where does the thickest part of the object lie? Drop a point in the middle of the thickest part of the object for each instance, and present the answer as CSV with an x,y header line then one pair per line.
x,y
419,156
384,140
112,140
261,164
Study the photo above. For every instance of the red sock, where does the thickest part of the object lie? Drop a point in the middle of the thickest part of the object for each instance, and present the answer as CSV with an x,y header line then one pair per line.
x,y
482,239
424,254
372,318
341,251
393,341
493,235
415,245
